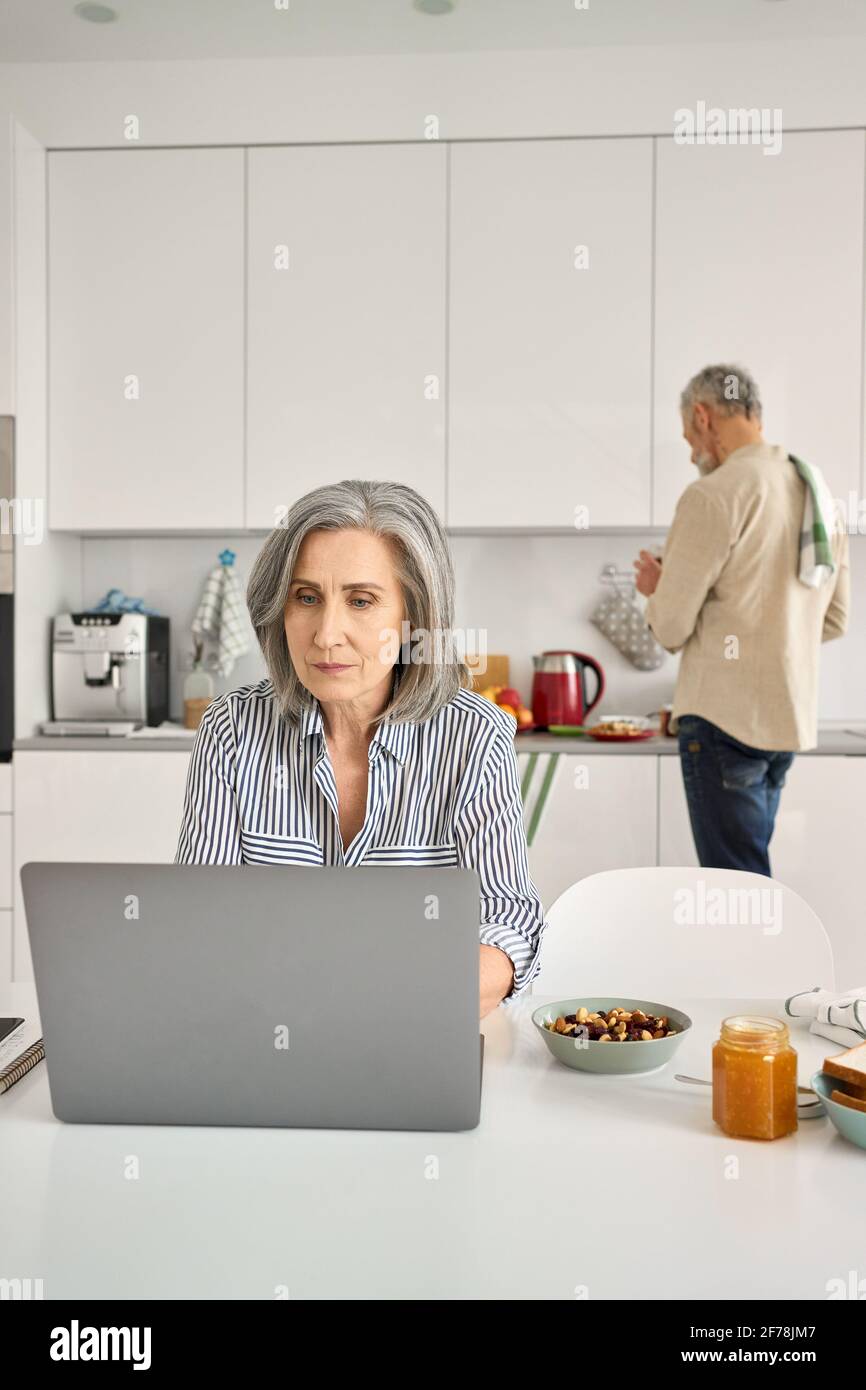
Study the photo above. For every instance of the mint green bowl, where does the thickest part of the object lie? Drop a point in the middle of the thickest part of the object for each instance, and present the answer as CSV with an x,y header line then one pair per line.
x,y
851,1124
610,1058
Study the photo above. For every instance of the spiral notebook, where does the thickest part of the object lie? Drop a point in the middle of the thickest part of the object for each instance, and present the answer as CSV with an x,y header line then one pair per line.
x,y
21,1048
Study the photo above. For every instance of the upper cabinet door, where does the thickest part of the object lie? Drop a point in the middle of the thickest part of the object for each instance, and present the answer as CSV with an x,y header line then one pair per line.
x,y
146,339
346,330
550,333
759,262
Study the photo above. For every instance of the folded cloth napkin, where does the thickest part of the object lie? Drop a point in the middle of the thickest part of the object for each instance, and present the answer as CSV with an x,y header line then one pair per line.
x,y
840,1017
116,601
819,514
221,616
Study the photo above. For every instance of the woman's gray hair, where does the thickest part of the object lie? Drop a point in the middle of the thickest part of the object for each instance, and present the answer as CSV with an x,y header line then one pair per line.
x,y
730,390
402,517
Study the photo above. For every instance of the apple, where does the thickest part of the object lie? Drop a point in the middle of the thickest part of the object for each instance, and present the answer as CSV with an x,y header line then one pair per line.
x,y
509,696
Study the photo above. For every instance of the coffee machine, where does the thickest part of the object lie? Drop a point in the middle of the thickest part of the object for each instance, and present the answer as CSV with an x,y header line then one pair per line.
x,y
109,672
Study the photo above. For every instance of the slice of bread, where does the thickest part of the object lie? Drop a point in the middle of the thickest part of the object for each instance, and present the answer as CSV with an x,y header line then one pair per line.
x,y
843,1098
858,1092
849,1066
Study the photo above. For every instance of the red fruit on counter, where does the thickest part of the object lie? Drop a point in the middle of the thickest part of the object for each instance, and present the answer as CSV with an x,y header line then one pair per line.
x,y
509,696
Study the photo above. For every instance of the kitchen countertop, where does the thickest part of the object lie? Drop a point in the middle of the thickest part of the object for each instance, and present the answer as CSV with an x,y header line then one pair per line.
x,y
572,1186
833,739
836,739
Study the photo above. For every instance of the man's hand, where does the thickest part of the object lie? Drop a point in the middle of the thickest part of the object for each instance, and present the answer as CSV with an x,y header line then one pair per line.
x,y
647,573
496,977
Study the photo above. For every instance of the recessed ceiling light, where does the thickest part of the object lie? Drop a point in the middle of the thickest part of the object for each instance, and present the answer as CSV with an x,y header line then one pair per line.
x,y
94,13
435,6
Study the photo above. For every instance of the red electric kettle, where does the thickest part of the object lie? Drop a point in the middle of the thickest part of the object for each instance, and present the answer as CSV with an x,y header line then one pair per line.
x,y
559,693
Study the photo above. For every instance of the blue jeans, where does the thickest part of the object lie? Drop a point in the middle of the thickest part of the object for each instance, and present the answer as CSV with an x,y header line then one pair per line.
x,y
733,794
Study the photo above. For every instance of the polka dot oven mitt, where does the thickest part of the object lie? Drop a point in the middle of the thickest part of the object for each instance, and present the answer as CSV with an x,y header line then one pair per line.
x,y
620,617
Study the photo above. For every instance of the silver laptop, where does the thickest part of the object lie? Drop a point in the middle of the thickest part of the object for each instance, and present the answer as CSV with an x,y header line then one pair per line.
x,y
258,995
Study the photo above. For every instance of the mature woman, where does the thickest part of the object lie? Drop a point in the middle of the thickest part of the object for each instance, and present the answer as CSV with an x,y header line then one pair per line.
x,y
365,744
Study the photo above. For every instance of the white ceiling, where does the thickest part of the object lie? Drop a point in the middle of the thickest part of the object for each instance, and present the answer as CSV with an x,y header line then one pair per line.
x,y
48,30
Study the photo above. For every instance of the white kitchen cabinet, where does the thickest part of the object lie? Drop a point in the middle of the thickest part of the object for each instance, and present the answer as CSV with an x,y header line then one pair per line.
x,y
759,262
88,807
346,324
5,862
5,899
6,873
599,813
5,947
816,849
146,339
550,346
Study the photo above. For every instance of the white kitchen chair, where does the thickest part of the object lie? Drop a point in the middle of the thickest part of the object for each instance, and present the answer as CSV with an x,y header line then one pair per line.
x,y
661,934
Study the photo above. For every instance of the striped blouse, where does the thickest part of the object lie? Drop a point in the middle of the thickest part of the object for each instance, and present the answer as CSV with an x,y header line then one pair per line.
x,y
261,790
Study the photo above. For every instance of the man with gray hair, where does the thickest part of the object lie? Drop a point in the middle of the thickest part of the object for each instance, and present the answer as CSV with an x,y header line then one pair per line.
x,y
753,578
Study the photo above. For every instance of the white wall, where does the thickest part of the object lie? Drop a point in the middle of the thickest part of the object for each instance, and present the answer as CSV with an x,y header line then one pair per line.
x,y
530,592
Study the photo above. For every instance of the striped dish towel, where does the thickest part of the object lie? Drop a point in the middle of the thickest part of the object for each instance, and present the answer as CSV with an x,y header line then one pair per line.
x,y
221,616
816,555
839,1017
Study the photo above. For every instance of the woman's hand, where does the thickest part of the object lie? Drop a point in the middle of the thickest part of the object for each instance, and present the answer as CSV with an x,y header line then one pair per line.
x,y
496,976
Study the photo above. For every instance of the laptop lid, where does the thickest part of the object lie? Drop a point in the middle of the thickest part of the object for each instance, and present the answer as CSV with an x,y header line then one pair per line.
x,y
258,995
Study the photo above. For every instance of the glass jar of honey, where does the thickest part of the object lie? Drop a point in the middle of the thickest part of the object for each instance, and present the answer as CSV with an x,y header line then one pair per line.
x,y
755,1079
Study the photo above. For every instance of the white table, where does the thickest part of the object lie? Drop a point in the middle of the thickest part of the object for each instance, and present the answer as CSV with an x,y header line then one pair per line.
x,y
619,1186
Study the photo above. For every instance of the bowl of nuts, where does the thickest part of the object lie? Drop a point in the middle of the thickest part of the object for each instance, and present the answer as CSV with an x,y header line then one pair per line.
x,y
610,1035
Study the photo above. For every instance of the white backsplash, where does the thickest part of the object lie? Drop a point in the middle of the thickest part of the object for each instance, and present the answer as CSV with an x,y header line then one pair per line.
x,y
529,593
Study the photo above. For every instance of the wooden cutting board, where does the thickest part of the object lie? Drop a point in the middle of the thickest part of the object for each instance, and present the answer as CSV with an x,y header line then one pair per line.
x,y
496,672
